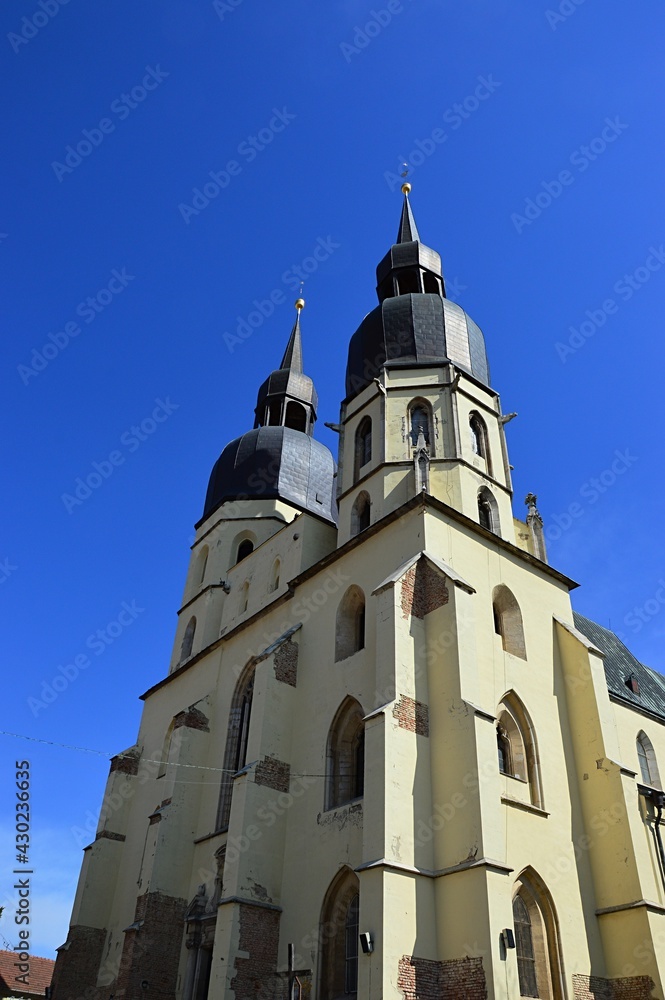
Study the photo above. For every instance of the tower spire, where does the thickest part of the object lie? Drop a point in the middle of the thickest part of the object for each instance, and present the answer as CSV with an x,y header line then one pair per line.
x,y
293,354
408,230
288,398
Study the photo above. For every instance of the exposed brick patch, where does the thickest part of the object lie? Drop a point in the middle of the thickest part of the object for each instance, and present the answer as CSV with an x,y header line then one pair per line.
x,y
152,952
454,979
126,763
412,715
595,988
76,969
286,662
192,719
273,773
109,835
423,590
259,936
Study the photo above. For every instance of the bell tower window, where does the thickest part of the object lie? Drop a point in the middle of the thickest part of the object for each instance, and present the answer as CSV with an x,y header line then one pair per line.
x,y
408,283
296,417
431,282
363,449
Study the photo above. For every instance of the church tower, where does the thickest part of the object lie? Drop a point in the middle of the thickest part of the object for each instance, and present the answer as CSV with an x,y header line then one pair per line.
x,y
387,760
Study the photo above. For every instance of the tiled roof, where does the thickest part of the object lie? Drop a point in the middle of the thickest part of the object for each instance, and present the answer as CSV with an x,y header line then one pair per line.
x,y
39,977
620,664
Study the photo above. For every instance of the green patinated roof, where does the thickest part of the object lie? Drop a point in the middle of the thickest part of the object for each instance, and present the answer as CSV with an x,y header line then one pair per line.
x,y
620,664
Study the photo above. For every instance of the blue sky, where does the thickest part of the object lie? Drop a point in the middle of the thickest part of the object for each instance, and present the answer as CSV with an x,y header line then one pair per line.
x,y
534,135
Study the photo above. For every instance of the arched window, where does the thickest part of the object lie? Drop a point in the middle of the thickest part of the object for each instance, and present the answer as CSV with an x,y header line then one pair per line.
x,y
245,548
166,749
360,513
274,414
508,621
237,739
274,576
363,447
432,283
539,965
345,756
420,419
188,640
408,283
488,511
647,761
350,624
201,563
338,938
517,746
479,445
296,417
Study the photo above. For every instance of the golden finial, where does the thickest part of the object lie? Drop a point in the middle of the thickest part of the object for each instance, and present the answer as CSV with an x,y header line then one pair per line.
x,y
300,304
406,187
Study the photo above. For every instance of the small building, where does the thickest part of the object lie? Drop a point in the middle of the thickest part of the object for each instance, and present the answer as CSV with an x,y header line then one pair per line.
x,y
32,985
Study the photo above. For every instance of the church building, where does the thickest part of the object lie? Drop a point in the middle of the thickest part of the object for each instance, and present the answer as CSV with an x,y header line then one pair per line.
x,y
387,759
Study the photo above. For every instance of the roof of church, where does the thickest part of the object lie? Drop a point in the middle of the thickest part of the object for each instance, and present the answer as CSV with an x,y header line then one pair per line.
x,y
39,976
275,463
620,664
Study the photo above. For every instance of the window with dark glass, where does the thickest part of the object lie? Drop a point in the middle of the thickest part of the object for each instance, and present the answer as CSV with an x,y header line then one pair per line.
x,y
351,948
526,961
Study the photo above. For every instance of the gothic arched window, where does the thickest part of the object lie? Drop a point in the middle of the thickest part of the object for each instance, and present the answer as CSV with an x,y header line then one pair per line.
x,y
345,755
201,563
360,513
647,761
508,621
517,746
188,640
537,939
338,938
350,624
488,511
245,549
274,576
363,446
237,740
420,420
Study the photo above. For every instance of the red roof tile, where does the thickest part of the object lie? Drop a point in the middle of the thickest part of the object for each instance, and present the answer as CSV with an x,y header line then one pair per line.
x,y
39,976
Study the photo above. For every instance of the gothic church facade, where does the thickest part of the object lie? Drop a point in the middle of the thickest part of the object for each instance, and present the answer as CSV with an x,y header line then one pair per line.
x,y
388,760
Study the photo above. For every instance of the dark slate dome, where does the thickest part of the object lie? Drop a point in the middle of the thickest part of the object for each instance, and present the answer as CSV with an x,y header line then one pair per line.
x,y
420,328
275,463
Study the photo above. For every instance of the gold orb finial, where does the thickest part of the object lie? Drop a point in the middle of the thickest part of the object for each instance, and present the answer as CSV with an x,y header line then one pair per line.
x,y
406,187
300,304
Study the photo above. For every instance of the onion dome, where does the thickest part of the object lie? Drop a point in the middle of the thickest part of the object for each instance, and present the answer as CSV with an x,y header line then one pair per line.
x,y
279,459
414,323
